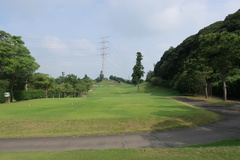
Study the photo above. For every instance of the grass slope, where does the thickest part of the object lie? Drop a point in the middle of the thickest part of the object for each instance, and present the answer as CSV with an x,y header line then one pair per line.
x,y
219,150
107,110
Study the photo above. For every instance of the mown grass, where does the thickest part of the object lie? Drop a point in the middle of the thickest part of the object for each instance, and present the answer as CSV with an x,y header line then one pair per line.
x,y
107,110
219,150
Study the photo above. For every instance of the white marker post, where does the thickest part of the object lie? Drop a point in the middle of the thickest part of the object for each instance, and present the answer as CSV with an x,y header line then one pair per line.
x,y
7,96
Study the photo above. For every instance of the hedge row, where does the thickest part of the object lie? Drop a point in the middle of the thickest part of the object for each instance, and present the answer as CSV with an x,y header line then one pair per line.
x,y
30,94
2,98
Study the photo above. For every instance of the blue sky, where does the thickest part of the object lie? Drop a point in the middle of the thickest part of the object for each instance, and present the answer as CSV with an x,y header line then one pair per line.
x,y
65,35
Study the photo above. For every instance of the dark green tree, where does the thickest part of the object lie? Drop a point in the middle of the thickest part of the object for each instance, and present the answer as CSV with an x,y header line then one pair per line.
x,y
222,54
16,63
71,79
100,78
42,81
149,76
85,76
81,87
199,69
138,70
88,83
189,82
66,88
4,84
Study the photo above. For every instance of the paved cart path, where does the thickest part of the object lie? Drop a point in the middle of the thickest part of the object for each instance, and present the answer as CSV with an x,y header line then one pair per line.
x,y
228,128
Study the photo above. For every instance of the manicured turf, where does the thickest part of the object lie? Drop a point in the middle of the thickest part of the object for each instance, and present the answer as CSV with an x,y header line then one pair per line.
x,y
219,150
107,110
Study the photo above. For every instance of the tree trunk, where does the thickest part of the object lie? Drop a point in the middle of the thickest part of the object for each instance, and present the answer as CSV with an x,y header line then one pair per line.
x,y
11,91
210,89
224,90
206,90
46,92
26,85
138,85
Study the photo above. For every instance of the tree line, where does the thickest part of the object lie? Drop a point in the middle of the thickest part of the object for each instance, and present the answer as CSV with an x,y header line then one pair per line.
x,y
119,79
17,73
205,62
62,86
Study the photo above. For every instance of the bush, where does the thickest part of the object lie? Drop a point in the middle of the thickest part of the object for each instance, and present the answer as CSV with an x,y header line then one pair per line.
x,y
4,84
160,82
189,83
30,94
2,98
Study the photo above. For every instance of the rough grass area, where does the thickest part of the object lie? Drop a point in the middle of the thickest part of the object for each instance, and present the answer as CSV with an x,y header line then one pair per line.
x,y
225,143
219,150
215,101
107,110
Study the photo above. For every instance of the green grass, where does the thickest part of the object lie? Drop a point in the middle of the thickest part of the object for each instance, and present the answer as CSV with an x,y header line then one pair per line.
x,y
107,110
219,150
225,143
215,101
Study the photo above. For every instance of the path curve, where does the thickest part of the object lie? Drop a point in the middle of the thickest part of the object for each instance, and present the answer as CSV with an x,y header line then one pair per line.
x,y
228,128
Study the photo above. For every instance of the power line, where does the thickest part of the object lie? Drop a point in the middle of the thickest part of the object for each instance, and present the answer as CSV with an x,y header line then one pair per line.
x,y
50,39
77,56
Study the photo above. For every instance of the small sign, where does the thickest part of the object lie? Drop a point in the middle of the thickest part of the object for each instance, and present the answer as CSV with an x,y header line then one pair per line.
x,y
6,94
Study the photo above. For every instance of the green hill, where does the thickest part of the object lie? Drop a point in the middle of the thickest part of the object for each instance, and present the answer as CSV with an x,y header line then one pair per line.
x,y
177,60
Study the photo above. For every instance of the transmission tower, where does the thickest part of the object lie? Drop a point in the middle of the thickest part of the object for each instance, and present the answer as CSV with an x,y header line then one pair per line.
x,y
104,51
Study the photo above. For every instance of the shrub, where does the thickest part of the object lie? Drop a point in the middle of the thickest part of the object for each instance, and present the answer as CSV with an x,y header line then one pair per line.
x,y
189,83
160,82
4,84
2,98
30,94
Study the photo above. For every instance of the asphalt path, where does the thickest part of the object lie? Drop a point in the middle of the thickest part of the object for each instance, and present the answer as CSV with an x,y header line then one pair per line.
x,y
229,128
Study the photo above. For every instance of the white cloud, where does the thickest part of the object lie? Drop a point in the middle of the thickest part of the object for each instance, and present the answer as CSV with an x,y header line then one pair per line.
x,y
85,46
149,26
54,44
144,18
164,20
68,47
70,56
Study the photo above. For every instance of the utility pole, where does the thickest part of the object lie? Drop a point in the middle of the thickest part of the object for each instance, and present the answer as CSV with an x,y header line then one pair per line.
x,y
104,52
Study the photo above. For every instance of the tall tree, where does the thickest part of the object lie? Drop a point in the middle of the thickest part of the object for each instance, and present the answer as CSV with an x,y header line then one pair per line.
x,y
81,87
71,79
88,83
42,81
222,54
16,63
138,70
199,69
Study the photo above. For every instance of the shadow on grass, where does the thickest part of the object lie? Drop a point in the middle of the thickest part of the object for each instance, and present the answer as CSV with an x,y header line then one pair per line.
x,y
159,91
168,124
121,93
